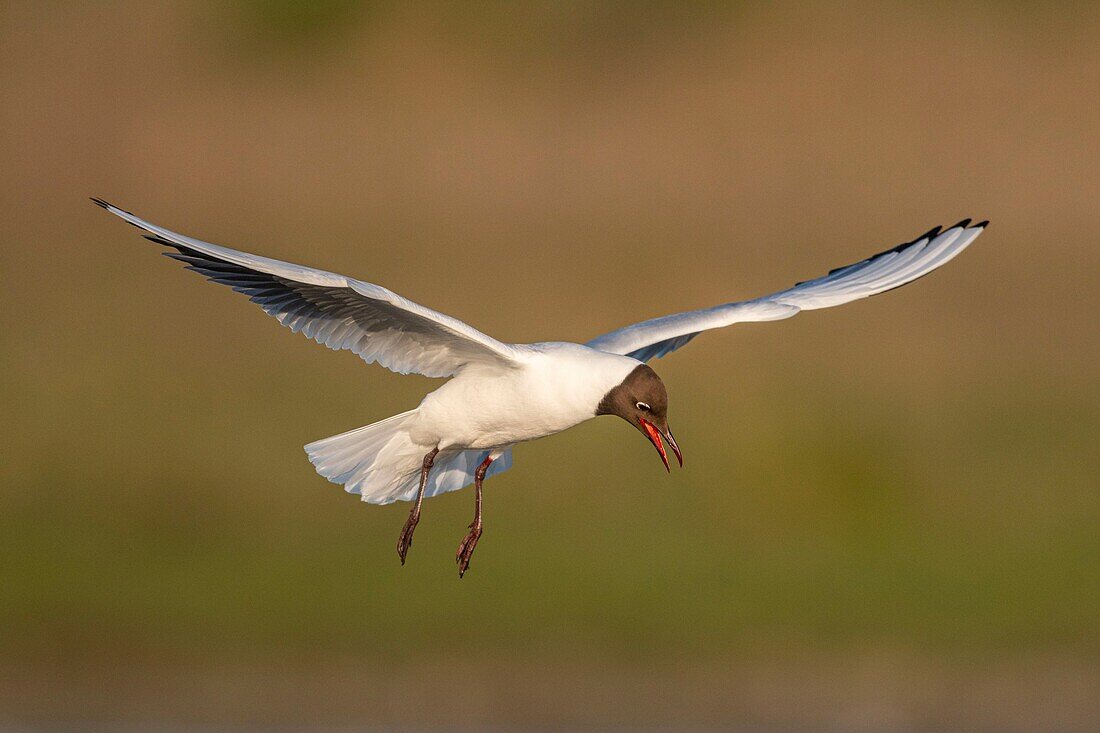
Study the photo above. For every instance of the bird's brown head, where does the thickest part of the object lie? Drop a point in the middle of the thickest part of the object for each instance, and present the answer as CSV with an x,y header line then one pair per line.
x,y
642,401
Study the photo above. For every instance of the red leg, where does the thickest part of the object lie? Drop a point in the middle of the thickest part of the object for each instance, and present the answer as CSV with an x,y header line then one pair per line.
x,y
404,542
466,548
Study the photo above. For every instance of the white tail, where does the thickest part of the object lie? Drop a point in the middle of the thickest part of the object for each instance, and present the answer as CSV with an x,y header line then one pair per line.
x,y
380,463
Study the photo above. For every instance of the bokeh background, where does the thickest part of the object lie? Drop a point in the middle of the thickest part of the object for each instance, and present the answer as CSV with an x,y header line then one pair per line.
x,y
889,514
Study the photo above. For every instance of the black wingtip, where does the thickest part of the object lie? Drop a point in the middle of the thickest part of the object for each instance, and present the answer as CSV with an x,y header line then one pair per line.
x,y
930,234
109,206
982,224
962,224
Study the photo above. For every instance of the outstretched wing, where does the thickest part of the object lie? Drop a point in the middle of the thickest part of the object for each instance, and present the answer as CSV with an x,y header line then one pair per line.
x,y
337,311
885,271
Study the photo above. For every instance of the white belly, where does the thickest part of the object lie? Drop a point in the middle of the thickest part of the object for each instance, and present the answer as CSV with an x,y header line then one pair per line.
x,y
558,386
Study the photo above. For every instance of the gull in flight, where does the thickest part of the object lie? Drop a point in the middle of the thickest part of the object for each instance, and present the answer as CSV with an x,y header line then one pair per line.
x,y
501,394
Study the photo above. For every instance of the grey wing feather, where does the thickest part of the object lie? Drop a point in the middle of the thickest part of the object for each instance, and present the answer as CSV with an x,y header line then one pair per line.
x,y
885,271
339,312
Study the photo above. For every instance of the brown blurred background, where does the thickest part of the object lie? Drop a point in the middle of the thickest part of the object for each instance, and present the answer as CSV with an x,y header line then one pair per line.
x,y
889,514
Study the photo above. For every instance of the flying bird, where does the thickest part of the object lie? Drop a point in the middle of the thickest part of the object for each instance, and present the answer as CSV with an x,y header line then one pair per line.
x,y
500,394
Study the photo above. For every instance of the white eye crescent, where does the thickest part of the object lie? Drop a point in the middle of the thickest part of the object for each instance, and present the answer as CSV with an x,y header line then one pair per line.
x,y
642,406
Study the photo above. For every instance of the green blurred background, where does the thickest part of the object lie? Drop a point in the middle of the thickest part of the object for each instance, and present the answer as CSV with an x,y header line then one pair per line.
x,y
889,514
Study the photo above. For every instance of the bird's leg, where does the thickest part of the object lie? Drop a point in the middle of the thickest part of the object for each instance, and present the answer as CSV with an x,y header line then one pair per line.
x,y
406,539
466,547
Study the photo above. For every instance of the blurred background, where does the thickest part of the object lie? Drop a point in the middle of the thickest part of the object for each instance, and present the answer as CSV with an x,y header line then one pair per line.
x,y
888,518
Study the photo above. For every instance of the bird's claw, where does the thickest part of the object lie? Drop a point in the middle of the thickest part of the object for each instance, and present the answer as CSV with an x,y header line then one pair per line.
x,y
404,542
466,548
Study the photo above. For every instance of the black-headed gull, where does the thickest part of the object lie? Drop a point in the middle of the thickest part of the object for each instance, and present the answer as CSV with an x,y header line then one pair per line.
x,y
501,394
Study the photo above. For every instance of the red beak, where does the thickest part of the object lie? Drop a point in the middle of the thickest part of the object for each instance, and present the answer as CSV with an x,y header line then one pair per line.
x,y
655,437
675,448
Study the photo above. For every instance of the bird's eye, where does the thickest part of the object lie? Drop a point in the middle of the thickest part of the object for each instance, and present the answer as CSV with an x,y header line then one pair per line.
x,y
642,406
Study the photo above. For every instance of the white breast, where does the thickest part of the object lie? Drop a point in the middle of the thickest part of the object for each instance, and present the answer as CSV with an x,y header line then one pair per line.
x,y
558,386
